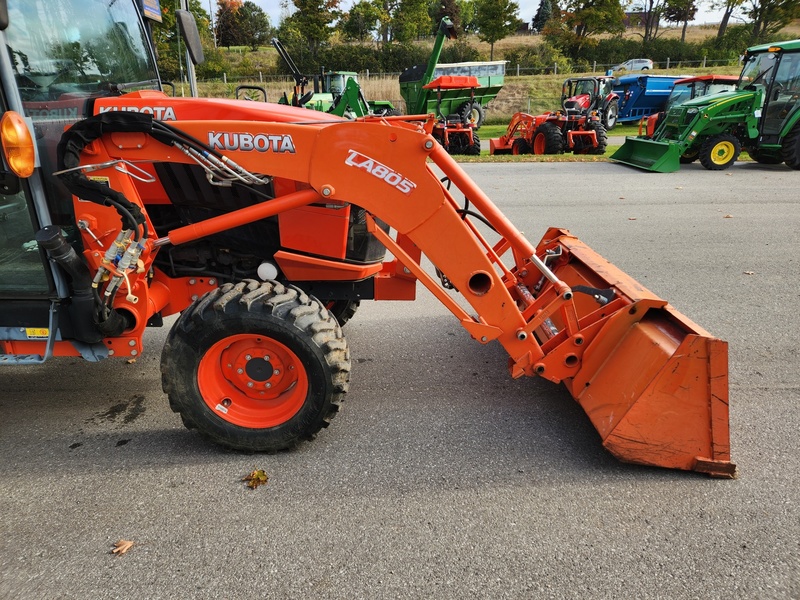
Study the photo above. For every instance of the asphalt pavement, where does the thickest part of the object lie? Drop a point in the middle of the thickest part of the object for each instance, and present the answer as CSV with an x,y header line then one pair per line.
x,y
442,477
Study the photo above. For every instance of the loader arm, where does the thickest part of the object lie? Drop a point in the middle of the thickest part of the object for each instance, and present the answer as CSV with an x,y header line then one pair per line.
x,y
653,383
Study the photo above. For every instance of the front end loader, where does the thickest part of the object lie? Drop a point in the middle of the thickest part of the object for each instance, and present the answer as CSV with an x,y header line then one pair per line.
x,y
252,221
762,116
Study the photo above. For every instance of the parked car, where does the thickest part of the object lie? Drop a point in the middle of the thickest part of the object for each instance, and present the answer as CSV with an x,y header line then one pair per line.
x,y
634,64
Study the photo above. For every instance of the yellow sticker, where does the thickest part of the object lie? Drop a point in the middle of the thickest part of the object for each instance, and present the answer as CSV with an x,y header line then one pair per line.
x,y
37,333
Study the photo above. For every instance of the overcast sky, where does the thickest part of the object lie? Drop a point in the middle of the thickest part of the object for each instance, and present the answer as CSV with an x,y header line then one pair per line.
x,y
527,9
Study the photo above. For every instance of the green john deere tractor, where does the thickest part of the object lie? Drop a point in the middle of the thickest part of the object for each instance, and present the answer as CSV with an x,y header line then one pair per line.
x,y
335,92
761,116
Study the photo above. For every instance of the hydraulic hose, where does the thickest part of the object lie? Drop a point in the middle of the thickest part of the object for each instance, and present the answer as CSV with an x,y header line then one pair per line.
x,y
82,308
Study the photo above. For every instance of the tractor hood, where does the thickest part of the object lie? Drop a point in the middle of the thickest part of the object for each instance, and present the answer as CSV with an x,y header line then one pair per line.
x,y
168,108
684,113
704,101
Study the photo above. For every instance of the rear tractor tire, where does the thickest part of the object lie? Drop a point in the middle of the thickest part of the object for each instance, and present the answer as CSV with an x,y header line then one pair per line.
x,y
548,139
610,115
791,148
472,113
256,366
720,151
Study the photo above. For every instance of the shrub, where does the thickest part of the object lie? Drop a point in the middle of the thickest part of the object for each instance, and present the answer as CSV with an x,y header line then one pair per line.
x,y
539,59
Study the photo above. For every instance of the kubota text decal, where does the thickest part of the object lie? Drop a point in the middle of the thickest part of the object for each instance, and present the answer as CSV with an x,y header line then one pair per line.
x,y
162,113
247,142
381,171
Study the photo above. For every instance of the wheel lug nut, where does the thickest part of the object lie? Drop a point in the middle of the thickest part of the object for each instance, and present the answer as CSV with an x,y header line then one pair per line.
x,y
268,385
248,357
277,371
249,384
240,371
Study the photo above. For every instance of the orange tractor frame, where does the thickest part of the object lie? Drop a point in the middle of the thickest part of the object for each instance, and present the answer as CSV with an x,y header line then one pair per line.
x,y
259,363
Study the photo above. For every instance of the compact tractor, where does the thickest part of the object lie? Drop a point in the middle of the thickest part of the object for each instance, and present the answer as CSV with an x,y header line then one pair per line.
x,y
456,134
762,116
253,224
576,128
334,92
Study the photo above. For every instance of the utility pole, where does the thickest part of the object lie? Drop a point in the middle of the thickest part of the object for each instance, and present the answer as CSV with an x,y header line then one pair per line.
x,y
189,64
213,29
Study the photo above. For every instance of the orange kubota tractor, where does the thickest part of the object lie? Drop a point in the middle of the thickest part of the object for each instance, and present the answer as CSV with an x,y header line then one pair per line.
x,y
577,127
451,131
258,222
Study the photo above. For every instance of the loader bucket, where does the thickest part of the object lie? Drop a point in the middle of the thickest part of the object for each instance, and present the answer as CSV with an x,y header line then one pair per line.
x,y
653,383
661,157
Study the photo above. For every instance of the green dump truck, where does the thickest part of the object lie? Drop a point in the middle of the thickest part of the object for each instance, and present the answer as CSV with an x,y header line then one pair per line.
x,y
761,116
469,106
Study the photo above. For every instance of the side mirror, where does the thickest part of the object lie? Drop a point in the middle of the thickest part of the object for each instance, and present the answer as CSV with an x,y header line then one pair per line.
x,y
190,35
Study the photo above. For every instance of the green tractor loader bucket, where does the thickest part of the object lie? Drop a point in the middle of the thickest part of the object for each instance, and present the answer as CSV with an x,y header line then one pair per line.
x,y
661,157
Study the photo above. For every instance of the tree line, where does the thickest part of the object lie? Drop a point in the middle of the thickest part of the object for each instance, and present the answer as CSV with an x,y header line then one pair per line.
x,y
382,35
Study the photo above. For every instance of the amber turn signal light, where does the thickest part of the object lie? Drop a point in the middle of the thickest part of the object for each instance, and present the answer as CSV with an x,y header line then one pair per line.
x,y
17,143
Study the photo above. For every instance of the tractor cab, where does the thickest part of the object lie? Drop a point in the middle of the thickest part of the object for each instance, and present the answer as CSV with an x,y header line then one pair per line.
x,y
578,96
335,82
583,96
58,63
774,71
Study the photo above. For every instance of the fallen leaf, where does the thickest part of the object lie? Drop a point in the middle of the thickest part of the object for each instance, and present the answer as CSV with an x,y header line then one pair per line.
x,y
680,187
121,547
256,478
728,174
622,197
728,217
631,218
130,361
749,272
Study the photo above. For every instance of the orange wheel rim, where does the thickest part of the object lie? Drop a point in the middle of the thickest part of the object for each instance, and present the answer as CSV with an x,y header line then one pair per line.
x,y
252,381
539,143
